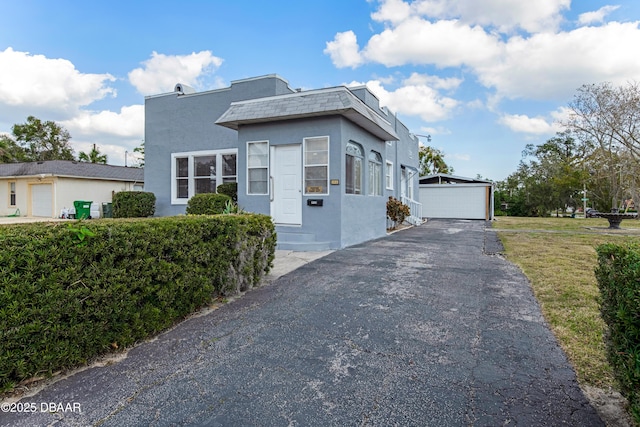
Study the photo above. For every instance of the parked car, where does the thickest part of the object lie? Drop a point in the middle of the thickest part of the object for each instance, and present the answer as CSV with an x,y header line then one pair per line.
x,y
591,213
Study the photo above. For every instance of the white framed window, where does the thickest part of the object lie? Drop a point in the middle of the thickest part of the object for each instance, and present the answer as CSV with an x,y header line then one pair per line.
x,y
375,174
12,193
316,165
389,175
353,168
258,167
198,172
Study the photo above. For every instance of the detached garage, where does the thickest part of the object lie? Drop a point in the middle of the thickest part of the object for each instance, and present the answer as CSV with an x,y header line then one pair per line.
x,y
449,196
44,189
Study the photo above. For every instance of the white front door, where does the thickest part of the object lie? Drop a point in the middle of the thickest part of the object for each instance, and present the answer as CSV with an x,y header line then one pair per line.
x,y
286,184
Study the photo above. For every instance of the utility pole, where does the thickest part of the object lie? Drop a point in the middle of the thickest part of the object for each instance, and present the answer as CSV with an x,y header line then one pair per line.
x,y
584,199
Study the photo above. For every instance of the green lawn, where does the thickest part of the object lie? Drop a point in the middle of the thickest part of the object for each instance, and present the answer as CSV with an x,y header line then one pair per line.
x,y
558,256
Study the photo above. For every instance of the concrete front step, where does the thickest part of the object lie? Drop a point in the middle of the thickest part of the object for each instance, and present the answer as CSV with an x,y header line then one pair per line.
x,y
301,242
303,246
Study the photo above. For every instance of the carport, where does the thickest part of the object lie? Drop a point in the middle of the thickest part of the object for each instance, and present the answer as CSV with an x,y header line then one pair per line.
x,y
450,196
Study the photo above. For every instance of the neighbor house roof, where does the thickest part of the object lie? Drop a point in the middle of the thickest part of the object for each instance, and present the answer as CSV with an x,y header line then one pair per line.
x,y
443,178
300,105
68,168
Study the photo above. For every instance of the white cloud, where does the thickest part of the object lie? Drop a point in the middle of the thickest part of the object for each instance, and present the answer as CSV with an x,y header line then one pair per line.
x,y
394,11
597,16
522,123
435,82
543,65
460,156
553,66
40,84
161,73
444,43
344,50
438,130
128,123
415,100
504,15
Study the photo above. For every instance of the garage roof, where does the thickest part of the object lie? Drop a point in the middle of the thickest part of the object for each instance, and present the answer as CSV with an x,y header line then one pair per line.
x,y
443,178
70,168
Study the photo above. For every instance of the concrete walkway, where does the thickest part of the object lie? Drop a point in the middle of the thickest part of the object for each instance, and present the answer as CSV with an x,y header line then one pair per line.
x,y
422,328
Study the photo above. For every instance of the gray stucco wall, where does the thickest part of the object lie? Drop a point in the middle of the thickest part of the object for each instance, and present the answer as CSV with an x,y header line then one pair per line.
x,y
322,221
363,216
184,123
181,123
344,219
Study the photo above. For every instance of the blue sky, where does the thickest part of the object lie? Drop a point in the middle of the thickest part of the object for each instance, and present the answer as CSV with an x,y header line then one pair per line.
x,y
482,77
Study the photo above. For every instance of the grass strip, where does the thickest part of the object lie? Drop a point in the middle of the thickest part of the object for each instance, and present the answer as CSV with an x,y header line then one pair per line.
x,y
558,257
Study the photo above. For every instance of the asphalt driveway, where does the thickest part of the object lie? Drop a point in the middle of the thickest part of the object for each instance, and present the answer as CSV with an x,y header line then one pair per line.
x,y
422,328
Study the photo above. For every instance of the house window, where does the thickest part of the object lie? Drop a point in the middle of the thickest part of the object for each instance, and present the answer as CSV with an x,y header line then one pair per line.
x,y
12,193
389,176
316,165
204,174
257,167
229,165
353,168
375,174
182,177
201,172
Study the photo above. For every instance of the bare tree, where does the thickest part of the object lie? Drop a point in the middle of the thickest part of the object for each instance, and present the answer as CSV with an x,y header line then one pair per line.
x,y
608,118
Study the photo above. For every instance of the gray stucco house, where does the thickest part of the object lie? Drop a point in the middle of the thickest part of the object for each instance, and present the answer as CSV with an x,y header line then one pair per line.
x,y
322,163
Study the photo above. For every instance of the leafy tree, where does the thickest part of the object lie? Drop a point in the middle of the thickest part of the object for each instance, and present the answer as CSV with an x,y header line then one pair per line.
x,y
94,156
140,151
549,178
10,152
43,140
432,161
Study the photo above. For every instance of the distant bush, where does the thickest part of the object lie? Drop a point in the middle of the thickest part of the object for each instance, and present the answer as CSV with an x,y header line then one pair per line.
x,y
618,275
207,204
134,204
230,189
397,211
71,292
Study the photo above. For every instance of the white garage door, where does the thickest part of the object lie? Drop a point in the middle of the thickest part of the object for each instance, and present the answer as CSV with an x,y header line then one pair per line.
x,y
41,200
453,201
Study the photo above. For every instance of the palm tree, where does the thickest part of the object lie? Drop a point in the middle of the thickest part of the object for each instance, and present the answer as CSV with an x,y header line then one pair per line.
x,y
432,161
94,156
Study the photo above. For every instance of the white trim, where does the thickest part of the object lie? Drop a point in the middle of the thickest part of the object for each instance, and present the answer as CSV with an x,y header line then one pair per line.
x,y
191,181
388,174
266,193
304,165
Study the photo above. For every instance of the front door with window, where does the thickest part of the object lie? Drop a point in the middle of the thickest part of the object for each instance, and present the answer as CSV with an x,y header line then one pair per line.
x,y
286,184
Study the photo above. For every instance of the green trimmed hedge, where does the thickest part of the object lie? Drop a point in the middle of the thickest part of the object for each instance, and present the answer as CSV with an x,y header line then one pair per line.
x,y
72,291
230,189
134,204
207,204
618,275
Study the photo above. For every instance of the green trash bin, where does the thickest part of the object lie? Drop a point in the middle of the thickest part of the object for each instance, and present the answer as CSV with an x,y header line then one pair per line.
x,y
107,210
83,209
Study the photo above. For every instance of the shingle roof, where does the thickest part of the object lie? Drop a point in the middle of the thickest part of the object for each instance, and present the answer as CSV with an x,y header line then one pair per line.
x,y
323,102
74,169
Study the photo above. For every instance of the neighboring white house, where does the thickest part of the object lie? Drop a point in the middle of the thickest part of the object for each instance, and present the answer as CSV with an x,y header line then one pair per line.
x,y
44,189
449,196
